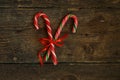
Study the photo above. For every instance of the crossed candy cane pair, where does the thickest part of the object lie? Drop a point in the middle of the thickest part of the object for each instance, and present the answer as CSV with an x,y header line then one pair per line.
x,y
50,42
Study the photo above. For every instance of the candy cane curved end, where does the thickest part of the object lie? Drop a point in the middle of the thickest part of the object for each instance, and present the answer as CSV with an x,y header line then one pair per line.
x,y
74,29
37,15
64,22
44,16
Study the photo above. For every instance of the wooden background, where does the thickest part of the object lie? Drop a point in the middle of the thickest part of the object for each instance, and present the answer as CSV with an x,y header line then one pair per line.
x,y
93,53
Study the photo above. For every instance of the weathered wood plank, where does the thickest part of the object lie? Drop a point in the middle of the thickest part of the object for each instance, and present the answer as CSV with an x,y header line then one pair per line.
x,y
12,19
60,4
60,72
97,37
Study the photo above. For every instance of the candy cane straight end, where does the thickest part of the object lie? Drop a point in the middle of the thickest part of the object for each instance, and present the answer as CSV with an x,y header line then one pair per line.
x,y
74,30
37,27
36,23
55,63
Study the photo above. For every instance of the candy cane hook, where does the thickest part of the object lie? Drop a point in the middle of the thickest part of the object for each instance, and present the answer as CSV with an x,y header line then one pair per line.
x,y
47,21
63,24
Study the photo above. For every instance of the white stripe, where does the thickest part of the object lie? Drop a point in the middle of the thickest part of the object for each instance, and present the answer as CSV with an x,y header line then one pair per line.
x,y
35,19
36,25
50,35
53,51
66,18
41,14
48,27
58,33
47,19
74,31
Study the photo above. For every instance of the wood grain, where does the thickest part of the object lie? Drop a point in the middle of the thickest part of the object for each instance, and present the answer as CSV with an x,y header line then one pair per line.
x,y
60,72
97,38
60,4
93,53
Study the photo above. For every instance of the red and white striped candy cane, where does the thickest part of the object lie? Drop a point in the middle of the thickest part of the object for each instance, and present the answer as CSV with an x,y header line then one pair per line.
x,y
49,42
49,31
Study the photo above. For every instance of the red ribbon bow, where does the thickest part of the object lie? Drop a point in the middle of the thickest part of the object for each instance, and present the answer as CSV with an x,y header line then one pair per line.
x,y
59,42
47,43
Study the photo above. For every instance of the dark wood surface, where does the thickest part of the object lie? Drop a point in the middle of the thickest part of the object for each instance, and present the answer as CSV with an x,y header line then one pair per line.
x,y
97,37
60,4
93,53
60,72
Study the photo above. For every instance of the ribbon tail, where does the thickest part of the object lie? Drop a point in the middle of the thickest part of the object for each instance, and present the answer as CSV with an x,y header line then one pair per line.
x,y
39,55
40,59
63,37
61,40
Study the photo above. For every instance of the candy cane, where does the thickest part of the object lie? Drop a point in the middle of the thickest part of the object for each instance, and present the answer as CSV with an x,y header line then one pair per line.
x,y
49,42
49,31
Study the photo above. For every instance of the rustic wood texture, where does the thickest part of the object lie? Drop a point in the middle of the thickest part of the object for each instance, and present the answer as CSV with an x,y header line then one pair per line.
x,y
93,53
60,3
60,72
97,37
